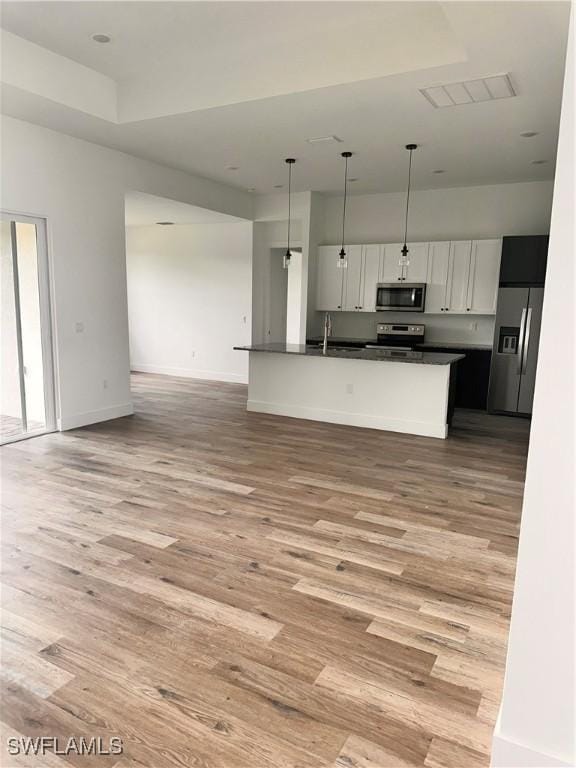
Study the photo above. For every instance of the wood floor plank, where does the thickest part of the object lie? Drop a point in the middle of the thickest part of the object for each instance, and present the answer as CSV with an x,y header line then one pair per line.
x,y
224,589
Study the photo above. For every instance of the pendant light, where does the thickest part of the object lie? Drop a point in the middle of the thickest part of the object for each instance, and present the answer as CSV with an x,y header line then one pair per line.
x,y
288,255
342,261
404,260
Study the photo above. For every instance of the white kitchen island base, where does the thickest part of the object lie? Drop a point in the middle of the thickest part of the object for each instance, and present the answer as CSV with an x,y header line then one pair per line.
x,y
412,398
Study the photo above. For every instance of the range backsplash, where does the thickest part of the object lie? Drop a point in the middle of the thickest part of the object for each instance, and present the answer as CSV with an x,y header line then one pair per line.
x,y
474,329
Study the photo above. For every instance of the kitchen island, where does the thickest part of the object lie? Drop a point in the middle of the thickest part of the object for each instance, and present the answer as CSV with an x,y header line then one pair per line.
x,y
400,391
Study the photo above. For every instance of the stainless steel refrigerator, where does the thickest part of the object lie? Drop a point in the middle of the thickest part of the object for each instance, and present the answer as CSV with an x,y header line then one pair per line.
x,y
515,352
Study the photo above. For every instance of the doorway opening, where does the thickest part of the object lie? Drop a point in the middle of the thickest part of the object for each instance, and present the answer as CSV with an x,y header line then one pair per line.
x,y
27,405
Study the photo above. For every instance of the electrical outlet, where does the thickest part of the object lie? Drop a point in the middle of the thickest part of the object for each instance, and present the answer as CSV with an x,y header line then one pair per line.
x,y
79,327
192,353
104,383
350,389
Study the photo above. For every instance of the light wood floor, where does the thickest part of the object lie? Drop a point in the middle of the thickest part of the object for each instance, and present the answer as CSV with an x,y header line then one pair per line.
x,y
240,590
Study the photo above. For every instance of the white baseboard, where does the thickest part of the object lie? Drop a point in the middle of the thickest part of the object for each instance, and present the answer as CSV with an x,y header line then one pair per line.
x,y
422,428
507,753
76,420
190,373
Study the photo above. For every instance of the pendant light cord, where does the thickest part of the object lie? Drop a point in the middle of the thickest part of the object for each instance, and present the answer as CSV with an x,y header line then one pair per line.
x,y
407,199
345,155
289,206
410,148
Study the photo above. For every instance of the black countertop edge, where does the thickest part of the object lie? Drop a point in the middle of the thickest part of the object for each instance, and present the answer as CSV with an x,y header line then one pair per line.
x,y
374,355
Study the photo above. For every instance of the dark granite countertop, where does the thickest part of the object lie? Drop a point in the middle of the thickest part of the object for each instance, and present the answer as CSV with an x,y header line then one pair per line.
x,y
375,355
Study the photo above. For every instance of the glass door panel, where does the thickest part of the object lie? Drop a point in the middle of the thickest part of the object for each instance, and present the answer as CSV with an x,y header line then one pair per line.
x,y
26,396
12,418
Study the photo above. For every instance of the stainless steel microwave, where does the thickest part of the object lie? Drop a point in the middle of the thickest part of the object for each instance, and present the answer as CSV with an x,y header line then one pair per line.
x,y
407,297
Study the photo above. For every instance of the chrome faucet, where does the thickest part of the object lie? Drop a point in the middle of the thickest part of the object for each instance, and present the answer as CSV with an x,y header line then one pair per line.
x,y
327,332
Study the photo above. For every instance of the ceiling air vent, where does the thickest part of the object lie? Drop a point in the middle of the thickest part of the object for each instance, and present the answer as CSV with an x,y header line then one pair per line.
x,y
469,91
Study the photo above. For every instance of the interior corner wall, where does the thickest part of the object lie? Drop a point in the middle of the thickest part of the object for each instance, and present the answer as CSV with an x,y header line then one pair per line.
x,y
79,188
537,717
189,299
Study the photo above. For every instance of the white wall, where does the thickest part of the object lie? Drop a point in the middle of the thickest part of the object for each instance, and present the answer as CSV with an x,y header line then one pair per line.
x,y
443,214
189,299
269,279
537,720
79,187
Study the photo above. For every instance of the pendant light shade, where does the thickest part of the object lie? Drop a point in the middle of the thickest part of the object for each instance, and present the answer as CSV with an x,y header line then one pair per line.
x,y
288,255
404,251
342,261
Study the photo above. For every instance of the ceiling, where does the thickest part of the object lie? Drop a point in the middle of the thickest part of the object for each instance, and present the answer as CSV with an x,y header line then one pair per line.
x,y
141,209
228,90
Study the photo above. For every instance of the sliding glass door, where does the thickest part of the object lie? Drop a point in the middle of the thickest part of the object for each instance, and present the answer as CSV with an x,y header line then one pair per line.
x,y
26,379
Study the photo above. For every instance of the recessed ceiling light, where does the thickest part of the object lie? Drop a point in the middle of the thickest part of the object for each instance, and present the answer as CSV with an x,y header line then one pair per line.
x,y
251,189
323,139
232,167
439,170
165,223
101,38
278,186
470,91
529,134
539,162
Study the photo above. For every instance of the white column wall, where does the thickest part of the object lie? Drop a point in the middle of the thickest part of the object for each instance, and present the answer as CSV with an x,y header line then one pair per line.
x,y
537,724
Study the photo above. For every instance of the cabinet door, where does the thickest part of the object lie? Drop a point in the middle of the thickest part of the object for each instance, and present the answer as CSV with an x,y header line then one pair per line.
x,y
330,279
416,271
391,269
523,260
458,276
370,272
437,278
352,278
484,272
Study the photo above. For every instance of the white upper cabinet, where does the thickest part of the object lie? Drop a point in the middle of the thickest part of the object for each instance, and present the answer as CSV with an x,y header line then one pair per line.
x,y
329,279
394,270
391,270
371,269
484,275
437,277
353,274
416,270
458,276
461,276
